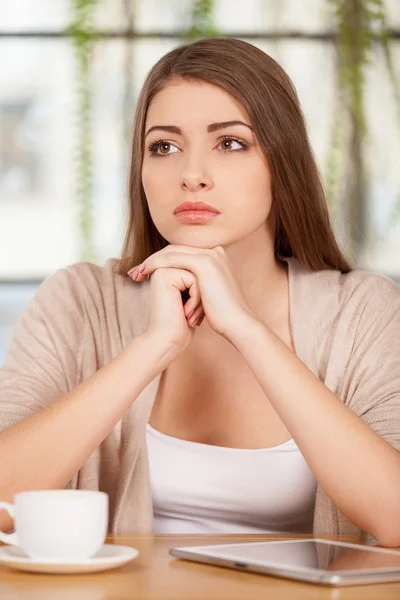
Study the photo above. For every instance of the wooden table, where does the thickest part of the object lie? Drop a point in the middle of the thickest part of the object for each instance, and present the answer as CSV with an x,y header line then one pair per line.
x,y
157,575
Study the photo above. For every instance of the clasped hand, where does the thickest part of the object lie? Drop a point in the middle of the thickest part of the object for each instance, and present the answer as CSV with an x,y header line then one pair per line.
x,y
221,297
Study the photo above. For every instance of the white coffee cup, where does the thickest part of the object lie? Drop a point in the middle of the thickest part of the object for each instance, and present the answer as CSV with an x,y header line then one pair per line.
x,y
58,524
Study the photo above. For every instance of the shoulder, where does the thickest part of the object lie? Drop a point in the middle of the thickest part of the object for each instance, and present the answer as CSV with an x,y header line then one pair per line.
x,y
86,275
362,282
369,295
366,306
351,291
84,292
82,281
334,312
100,296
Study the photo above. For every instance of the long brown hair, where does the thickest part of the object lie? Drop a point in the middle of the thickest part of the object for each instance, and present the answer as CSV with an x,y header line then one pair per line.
x,y
303,227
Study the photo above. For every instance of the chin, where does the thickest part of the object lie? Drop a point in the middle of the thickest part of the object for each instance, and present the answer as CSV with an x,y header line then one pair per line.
x,y
196,240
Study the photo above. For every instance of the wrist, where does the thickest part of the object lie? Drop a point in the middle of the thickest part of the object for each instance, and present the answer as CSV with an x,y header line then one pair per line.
x,y
153,349
243,328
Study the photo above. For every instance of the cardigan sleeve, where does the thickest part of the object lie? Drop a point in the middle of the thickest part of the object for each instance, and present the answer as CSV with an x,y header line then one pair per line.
x,y
43,358
372,376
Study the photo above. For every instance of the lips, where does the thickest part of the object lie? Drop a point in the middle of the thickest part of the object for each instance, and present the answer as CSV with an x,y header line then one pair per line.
x,y
198,206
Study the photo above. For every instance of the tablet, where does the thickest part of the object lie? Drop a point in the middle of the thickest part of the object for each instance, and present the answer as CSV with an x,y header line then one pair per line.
x,y
314,560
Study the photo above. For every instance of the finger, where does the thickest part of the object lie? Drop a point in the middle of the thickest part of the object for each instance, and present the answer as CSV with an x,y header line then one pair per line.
x,y
200,321
186,282
194,299
198,264
198,314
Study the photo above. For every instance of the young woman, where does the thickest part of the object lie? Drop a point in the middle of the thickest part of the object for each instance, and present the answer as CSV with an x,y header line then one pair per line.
x,y
230,372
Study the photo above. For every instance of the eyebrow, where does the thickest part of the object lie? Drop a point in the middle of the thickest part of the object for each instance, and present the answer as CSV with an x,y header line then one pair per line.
x,y
210,128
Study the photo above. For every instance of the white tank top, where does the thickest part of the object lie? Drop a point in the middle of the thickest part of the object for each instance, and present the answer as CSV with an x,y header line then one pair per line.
x,y
199,488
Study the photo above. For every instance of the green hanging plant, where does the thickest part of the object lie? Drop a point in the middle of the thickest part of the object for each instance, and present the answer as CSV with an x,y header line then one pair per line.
x,y
202,24
360,25
386,42
83,36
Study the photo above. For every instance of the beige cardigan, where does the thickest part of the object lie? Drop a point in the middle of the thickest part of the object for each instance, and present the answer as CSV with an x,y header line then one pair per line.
x,y
346,329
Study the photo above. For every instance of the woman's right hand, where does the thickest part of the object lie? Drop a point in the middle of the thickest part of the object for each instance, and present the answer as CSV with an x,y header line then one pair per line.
x,y
167,312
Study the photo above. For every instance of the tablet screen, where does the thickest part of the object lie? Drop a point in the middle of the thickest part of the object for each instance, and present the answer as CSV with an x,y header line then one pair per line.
x,y
308,554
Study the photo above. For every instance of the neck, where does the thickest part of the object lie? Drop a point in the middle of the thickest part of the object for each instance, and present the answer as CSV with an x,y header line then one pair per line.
x,y
263,278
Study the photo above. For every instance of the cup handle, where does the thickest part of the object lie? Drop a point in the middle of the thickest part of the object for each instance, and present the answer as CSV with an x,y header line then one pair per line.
x,y
9,538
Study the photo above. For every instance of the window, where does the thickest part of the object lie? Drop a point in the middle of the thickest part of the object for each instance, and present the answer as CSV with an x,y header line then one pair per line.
x,y
39,131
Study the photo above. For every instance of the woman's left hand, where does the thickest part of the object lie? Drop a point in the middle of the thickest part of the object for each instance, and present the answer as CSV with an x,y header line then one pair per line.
x,y
224,304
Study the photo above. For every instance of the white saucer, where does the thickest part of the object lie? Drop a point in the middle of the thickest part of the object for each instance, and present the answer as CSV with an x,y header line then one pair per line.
x,y
108,557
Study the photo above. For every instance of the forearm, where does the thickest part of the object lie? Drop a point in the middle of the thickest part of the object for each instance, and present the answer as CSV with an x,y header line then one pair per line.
x,y
358,470
46,449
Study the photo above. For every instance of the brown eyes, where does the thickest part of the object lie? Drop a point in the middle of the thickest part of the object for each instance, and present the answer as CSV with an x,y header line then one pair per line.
x,y
162,147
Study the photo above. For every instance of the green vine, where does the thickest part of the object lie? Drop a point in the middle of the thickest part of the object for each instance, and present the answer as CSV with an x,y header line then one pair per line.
x,y
83,36
360,25
202,20
395,214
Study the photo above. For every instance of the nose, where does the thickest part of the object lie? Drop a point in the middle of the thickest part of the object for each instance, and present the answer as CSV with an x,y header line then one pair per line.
x,y
195,178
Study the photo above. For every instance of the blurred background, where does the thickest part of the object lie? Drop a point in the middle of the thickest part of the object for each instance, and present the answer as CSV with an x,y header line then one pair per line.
x,y
70,73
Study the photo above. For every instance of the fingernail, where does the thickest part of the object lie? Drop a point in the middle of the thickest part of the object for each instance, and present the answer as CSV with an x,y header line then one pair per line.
x,y
131,270
135,274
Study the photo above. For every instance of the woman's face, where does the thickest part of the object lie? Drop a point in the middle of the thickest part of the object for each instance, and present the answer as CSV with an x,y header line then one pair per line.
x,y
198,161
